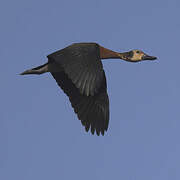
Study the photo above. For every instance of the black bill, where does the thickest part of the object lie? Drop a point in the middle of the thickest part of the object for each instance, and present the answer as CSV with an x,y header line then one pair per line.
x,y
147,57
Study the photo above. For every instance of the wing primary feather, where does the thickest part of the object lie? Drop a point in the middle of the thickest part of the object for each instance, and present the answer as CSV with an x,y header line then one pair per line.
x,y
84,89
83,112
88,84
92,110
98,122
88,118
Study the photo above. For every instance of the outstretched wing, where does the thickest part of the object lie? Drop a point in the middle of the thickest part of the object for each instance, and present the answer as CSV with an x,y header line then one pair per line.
x,y
93,111
81,62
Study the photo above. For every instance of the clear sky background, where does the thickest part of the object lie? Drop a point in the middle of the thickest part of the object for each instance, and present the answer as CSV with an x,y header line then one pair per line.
x,y
41,137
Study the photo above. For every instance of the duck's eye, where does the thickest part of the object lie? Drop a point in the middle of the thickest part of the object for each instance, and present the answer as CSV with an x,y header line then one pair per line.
x,y
137,52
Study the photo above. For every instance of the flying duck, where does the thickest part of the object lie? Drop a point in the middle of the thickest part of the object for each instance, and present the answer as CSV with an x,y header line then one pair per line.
x,y
78,70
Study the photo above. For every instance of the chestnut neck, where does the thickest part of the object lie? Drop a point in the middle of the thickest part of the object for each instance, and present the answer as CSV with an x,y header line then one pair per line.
x,y
109,54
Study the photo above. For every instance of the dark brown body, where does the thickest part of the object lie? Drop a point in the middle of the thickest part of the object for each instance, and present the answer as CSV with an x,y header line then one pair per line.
x,y
83,80
78,70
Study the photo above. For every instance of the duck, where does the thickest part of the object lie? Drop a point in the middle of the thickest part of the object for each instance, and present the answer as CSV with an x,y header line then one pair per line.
x,y
78,71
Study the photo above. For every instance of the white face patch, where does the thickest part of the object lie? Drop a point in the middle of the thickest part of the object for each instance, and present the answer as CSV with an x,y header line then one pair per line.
x,y
137,55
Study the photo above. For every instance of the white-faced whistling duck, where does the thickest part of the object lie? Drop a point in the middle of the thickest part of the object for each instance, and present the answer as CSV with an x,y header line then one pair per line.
x,y
78,70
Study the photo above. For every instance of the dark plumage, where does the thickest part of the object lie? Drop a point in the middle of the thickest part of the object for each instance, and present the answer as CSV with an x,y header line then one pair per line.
x,y
81,62
78,70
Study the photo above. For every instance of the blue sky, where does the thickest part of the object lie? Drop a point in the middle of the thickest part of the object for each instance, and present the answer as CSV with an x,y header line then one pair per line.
x,y
40,135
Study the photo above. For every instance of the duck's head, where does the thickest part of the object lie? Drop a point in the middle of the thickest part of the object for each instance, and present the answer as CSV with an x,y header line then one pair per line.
x,y
136,56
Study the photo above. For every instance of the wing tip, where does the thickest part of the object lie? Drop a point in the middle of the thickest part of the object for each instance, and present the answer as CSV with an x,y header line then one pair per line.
x,y
93,130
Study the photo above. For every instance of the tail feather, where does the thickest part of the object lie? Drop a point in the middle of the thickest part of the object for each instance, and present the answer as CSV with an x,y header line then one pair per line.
x,y
37,70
